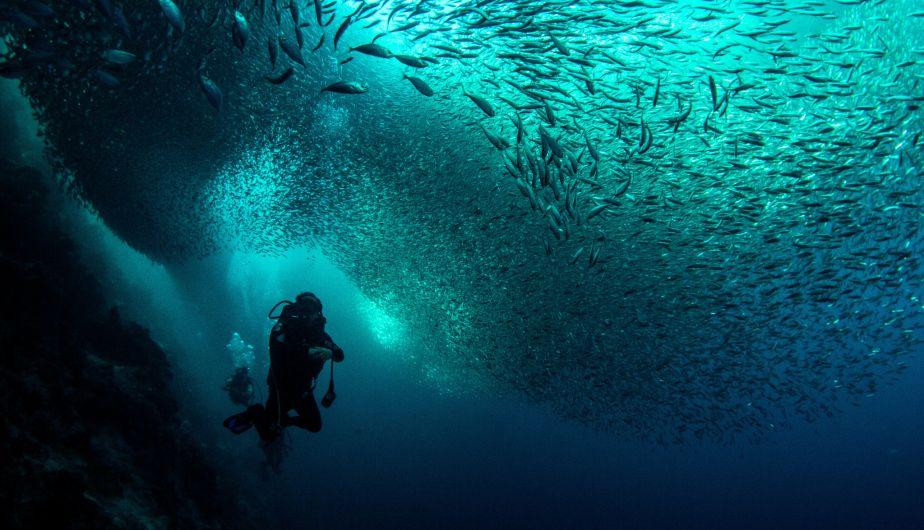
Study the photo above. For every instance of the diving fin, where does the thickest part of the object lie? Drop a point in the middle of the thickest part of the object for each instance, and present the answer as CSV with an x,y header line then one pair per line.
x,y
239,422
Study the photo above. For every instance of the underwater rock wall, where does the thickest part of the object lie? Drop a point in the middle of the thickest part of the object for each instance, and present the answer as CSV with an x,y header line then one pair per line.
x,y
89,423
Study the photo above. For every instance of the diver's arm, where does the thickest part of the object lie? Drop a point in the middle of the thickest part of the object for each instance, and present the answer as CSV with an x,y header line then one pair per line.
x,y
337,351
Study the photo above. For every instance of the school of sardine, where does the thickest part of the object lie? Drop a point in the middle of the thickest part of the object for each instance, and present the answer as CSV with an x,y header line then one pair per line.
x,y
658,218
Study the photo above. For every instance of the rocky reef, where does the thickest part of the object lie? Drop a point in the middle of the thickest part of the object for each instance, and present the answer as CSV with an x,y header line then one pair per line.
x,y
89,426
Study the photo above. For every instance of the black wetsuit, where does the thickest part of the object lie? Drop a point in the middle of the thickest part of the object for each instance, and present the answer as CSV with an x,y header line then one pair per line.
x,y
292,372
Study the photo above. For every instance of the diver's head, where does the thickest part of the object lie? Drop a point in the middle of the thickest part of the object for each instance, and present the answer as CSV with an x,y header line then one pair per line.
x,y
304,316
309,301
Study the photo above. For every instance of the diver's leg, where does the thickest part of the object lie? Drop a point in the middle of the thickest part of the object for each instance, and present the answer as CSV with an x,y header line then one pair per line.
x,y
257,415
266,419
309,415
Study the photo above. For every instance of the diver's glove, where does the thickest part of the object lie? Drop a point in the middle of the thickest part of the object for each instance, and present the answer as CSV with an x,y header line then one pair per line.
x,y
319,353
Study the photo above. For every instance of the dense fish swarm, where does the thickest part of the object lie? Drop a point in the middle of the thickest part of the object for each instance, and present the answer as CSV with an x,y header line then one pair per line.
x,y
665,218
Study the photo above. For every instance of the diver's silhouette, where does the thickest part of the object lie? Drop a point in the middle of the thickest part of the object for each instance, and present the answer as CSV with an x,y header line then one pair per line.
x,y
298,346
240,387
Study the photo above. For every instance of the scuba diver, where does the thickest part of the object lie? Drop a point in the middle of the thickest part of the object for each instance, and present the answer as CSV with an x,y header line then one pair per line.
x,y
298,347
240,387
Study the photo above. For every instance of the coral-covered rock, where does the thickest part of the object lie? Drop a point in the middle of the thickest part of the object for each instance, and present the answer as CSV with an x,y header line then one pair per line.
x,y
88,425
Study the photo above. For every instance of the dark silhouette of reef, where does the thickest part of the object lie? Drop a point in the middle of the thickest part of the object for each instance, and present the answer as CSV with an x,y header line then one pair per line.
x,y
90,430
